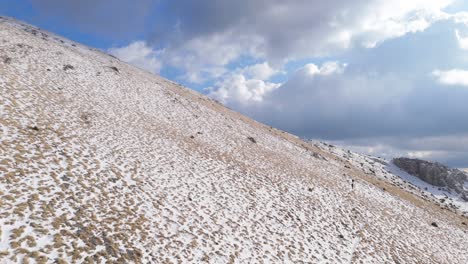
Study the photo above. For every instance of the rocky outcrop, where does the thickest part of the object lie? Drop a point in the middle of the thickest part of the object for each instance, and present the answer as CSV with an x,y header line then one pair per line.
x,y
435,173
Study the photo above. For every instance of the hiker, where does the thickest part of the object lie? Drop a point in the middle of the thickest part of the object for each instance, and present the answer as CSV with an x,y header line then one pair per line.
x,y
352,184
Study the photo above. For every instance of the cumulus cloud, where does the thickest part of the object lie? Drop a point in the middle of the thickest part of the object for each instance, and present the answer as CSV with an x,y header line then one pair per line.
x,y
250,85
452,77
279,31
237,89
460,17
139,54
462,40
260,71
327,68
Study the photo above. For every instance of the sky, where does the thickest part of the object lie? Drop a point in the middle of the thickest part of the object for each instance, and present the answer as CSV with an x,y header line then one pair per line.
x,y
385,78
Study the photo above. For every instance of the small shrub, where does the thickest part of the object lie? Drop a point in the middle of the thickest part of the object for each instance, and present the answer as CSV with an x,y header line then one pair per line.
x,y
61,261
14,244
114,68
6,60
68,67
17,232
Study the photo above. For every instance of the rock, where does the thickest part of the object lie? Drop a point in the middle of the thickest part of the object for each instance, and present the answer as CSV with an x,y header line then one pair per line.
x,y
114,68
435,173
252,139
434,224
65,178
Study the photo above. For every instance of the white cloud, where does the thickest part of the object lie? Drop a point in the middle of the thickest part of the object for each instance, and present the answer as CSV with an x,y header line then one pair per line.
x,y
327,68
462,40
279,31
460,17
452,77
139,54
249,85
205,57
261,71
235,88
420,154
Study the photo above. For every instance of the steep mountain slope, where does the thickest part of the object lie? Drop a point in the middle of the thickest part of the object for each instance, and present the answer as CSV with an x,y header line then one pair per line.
x,y
100,161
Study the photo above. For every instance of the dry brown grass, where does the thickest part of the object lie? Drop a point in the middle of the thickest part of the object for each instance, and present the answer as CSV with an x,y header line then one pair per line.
x,y
17,232
58,241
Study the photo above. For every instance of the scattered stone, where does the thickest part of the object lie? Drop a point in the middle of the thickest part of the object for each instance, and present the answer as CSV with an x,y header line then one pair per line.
x,y
252,139
318,156
35,128
113,180
65,178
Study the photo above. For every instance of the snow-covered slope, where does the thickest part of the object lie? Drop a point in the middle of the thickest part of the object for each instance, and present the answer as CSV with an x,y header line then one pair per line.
x,y
100,161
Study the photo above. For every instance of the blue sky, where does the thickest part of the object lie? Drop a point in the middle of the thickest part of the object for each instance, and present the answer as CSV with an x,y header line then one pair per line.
x,y
387,78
